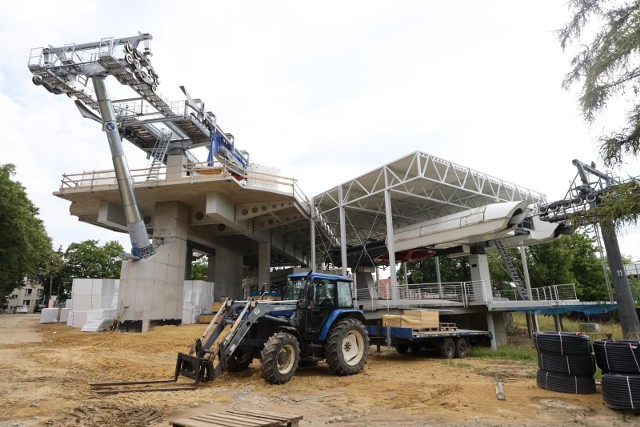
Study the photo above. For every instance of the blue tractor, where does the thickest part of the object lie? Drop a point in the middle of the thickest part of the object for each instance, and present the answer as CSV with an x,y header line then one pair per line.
x,y
314,320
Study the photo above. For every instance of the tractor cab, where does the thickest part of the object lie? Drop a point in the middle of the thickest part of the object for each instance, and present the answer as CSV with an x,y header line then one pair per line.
x,y
321,298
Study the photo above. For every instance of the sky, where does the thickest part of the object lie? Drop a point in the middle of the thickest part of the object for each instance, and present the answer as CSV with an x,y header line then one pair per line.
x,y
324,91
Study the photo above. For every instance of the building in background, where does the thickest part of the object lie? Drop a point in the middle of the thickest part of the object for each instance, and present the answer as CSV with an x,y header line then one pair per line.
x,y
29,296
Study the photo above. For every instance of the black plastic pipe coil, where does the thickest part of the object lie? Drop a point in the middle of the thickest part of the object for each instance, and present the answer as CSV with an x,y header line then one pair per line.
x,y
581,365
621,391
564,343
565,383
618,356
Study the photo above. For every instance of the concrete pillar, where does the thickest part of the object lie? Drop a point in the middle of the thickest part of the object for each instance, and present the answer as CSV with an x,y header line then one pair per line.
x,y
228,274
264,265
211,269
481,277
495,325
151,289
175,165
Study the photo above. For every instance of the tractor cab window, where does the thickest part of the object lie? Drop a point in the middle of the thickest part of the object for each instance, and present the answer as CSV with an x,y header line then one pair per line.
x,y
345,299
324,293
293,290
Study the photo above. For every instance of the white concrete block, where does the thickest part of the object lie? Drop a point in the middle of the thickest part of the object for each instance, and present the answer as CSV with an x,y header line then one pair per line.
x,y
49,315
64,315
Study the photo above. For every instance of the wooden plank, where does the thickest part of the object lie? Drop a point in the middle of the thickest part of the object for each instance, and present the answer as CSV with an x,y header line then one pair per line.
x,y
184,422
233,419
274,415
222,421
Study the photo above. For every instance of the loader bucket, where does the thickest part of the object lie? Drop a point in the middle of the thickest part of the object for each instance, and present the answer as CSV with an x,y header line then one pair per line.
x,y
196,368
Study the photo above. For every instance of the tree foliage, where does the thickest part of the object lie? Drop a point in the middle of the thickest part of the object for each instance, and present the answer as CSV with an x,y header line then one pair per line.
x,y
608,65
200,268
451,270
89,260
25,247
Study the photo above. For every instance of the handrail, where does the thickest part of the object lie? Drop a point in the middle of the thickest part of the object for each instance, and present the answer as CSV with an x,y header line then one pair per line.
x,y
193,172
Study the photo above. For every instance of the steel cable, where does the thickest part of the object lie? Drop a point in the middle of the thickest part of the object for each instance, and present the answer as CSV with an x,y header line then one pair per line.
x,y
580,365
618,356
564,343
621,391
565,383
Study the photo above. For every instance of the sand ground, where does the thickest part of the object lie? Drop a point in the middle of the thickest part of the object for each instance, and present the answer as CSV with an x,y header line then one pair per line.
x,y
45,370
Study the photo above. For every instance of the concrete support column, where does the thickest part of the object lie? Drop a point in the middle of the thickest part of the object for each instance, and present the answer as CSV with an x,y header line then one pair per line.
x,y
175,165
228,274
211,270
151,289
264,265
495,325
481,277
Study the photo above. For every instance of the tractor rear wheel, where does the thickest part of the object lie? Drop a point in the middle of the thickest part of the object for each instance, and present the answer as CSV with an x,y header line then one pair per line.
x,y
280,357
347,347
240,359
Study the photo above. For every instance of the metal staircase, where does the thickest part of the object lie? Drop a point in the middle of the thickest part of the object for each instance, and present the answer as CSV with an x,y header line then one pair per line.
x,y
513,272
158,154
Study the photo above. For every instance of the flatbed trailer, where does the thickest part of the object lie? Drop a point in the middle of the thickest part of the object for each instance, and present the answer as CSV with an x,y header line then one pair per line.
x,y
448,342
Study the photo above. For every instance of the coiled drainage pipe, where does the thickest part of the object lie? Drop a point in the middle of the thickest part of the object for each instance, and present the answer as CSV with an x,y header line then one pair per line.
x,y
618,356
582,365
565,383
563,343
621,391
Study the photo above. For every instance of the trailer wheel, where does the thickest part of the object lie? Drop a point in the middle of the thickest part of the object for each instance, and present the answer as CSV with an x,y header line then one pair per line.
x,y
462,348
447,348
280,357
240,359
347,347
402,348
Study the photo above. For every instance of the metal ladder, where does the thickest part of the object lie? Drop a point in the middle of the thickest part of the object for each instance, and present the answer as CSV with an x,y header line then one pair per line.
x,y
157,155
513,272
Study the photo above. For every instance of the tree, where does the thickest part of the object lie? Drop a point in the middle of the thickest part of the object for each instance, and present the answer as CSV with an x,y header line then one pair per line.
x,y
451,270
25,247
608,65
199,268
89,260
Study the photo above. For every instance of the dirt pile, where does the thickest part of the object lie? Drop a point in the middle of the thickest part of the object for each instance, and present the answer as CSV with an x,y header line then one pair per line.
x,y
45,371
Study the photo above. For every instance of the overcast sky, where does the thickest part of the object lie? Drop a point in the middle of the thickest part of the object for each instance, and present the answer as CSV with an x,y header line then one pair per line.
x,y
324,91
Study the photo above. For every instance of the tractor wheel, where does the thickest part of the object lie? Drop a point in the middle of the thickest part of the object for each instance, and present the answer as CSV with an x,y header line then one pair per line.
x,y
462,348
280,357
240,360
402,348
347,347
447,348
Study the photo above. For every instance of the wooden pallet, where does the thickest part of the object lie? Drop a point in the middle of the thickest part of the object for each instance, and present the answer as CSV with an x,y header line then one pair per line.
x,y
448,327
239,418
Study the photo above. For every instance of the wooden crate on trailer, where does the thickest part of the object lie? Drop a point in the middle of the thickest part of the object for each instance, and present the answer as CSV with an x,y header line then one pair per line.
x,y
399,321
428,319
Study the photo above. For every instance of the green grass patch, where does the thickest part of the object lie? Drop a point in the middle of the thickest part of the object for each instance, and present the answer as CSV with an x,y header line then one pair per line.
x,y
523,353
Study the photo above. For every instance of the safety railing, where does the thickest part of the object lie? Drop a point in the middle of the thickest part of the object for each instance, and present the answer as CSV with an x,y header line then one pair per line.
x,y
563,292
190,172
420,295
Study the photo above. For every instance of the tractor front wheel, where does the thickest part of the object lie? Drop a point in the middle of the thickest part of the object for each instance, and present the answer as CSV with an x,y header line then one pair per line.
x,y
347,347
240,359
280,357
